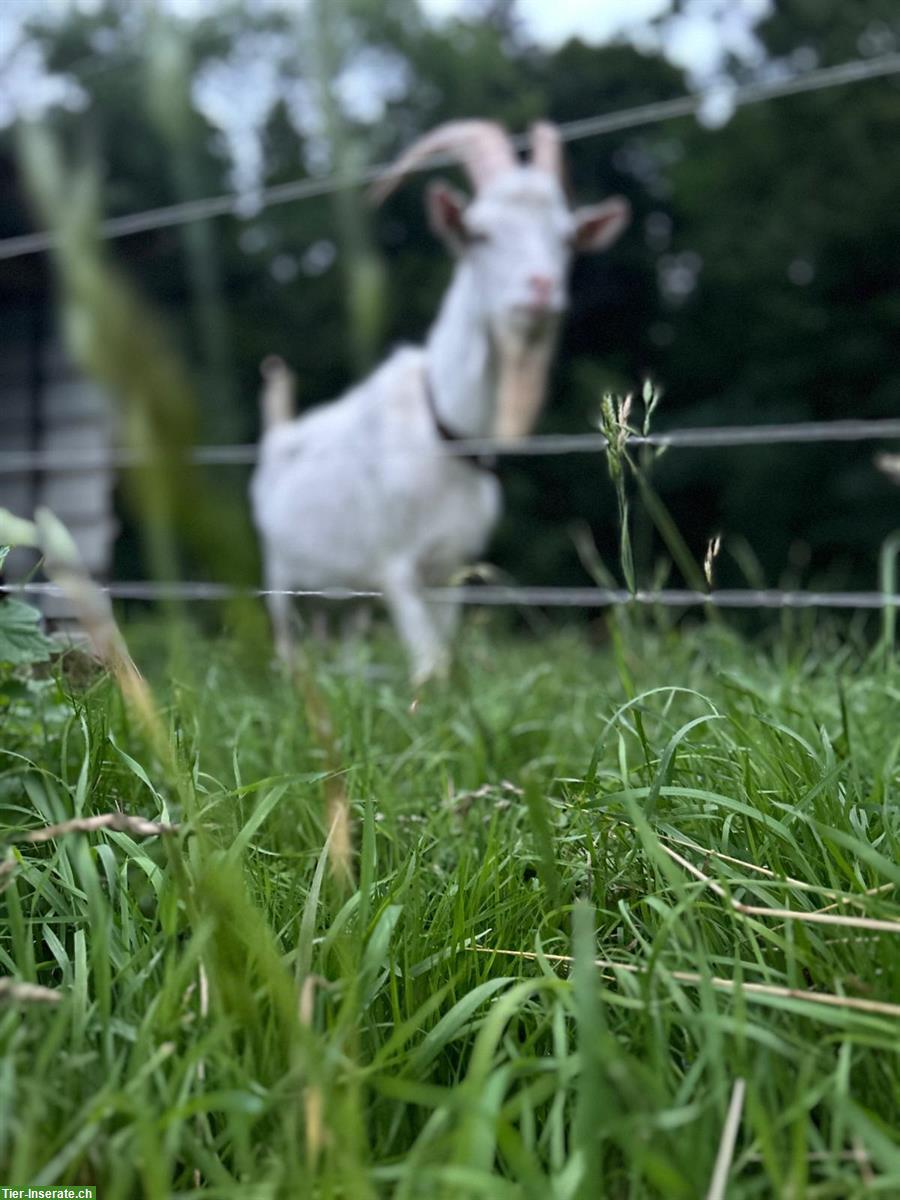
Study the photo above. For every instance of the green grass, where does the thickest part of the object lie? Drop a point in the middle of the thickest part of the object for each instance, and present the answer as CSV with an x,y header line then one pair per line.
x,y
234,1016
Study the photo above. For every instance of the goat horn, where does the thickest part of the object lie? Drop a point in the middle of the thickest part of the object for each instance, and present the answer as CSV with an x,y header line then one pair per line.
x,y
483,148
546,148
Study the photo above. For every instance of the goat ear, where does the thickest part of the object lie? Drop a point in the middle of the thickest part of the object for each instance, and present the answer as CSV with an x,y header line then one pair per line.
x,y
599,226
446,213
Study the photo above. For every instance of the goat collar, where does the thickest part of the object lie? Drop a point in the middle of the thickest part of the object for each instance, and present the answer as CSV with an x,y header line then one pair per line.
x,y
484,462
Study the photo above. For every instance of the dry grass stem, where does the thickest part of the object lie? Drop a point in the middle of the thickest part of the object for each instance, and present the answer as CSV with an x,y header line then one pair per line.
x,y
725,1156
825,1156
201,1062
94,613
787,880
313,1106
7,870
313,1103
695,871
341,849
204,1013
27,993
821,916
767,990
713,546
118,821
204,991
862,1160
874,891
340,853
308,998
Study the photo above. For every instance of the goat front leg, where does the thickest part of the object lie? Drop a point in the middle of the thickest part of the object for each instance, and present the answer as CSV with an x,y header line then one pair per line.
x,y
414,622
281,617
445,614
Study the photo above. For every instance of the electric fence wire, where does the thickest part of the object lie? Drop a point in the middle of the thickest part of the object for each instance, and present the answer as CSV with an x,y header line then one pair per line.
x,y
493,595
242,203
715,437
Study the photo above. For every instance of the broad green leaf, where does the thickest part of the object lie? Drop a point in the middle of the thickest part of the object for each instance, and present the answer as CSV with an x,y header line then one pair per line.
x,y
21,639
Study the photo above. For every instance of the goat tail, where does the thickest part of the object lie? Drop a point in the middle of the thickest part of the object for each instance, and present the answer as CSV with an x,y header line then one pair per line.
x,y
277,400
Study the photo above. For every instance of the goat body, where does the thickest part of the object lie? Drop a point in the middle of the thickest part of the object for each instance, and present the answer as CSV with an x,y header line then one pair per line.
x,y
360,494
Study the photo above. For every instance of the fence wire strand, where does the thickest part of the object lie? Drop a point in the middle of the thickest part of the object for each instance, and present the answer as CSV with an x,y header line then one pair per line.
x,y
250,203
493,596
717,437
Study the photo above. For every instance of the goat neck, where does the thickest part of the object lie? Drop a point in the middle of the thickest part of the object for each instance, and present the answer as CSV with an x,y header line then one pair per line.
x,y
523,363
461,360
485,381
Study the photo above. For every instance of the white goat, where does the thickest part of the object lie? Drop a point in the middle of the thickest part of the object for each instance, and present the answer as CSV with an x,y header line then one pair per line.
x,y
361,493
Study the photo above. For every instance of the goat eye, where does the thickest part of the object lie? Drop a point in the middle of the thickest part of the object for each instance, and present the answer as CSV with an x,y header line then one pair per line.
x,y
476,237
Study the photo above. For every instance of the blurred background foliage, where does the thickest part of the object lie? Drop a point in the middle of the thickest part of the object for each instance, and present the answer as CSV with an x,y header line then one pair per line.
x,y
759,282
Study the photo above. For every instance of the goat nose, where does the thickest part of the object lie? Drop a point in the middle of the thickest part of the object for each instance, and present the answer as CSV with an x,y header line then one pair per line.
x,y
541,286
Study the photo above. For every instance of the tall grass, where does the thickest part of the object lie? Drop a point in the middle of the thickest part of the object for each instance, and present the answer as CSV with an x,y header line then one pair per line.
x,y
550,969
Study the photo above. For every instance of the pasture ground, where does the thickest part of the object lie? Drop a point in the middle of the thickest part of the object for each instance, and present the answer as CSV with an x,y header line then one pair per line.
x,y
248,1009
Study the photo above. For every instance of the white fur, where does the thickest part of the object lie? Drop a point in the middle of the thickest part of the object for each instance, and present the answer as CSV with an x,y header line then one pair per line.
x,y
361,493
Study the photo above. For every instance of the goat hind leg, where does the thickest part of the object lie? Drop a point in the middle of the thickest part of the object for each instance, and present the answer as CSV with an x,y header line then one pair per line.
x,y
281,614
358,621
